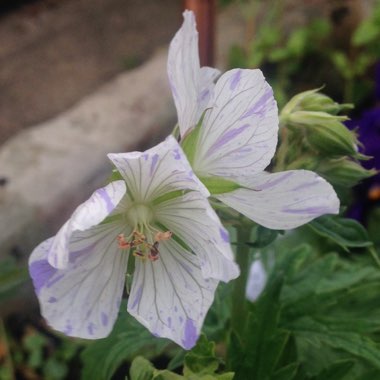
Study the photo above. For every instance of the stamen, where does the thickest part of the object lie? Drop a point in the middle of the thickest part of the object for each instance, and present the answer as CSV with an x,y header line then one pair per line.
x,y
122,242
154,253
137,241
139,254
163,236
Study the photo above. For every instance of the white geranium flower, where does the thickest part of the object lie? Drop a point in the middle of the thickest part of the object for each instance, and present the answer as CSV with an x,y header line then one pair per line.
x,y
229,133
158,217
257,279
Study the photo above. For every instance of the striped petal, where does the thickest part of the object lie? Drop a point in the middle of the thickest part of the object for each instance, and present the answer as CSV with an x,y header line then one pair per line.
x,y
239,132
90,213
157,171
184,72
170,296
83,299
208,76
191,218
283,200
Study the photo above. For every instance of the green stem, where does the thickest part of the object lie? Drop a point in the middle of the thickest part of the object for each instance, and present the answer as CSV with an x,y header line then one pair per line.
x,y
8,364
239,314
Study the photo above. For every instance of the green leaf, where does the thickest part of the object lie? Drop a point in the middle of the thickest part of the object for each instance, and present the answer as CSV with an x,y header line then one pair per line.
x,y
319,335
128,339
264,237
256,356
11,277
345,232
219,185
365,33
336,371
286,373
201,359
331,307
141,369
215,325
167,375
201,362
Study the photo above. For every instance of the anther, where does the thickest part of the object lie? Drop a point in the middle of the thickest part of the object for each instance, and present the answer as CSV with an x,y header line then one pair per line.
x,y
138,254
163,236
154,253
123,244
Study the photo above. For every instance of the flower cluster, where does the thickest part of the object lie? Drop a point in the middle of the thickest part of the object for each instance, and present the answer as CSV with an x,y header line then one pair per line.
x,y
156,222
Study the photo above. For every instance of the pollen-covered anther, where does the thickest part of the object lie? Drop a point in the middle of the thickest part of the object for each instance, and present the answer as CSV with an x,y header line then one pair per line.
x,y
139,238
123,244
154,252
163,236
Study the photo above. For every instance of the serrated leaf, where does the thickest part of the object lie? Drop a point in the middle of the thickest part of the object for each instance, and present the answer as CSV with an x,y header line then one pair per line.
x,y
201,359
343,231
320,335
201,362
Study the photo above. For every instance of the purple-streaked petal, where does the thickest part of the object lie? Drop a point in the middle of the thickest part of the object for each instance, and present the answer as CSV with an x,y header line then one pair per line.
x,y
157,171
283,200
239,133
170,296
83,299
184,72
208,76
257,280
90,213
191,218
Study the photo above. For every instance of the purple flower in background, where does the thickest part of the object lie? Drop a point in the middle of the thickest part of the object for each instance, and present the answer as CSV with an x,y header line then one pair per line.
x,y
229,133
368,124
158,216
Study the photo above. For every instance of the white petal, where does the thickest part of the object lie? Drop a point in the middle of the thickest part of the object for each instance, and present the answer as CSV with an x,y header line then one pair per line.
x,y
157,171
191,218
184,72
239,132
208,76
257,280
83,299
90,213
169,296
284,200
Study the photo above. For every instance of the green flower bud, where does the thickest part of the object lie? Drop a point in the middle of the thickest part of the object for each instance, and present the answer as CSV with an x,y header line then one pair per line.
x,y
304,162
344,172
325,132
313,100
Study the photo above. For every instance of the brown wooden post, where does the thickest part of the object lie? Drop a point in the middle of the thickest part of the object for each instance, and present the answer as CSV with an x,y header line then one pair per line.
x,y
204,11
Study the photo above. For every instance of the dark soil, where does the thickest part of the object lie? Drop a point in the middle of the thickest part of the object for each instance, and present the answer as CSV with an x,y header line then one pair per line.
x,y
54,52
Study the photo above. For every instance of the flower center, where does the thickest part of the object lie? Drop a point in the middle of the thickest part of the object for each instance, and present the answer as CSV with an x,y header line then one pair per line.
x,y
144,240
139,216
